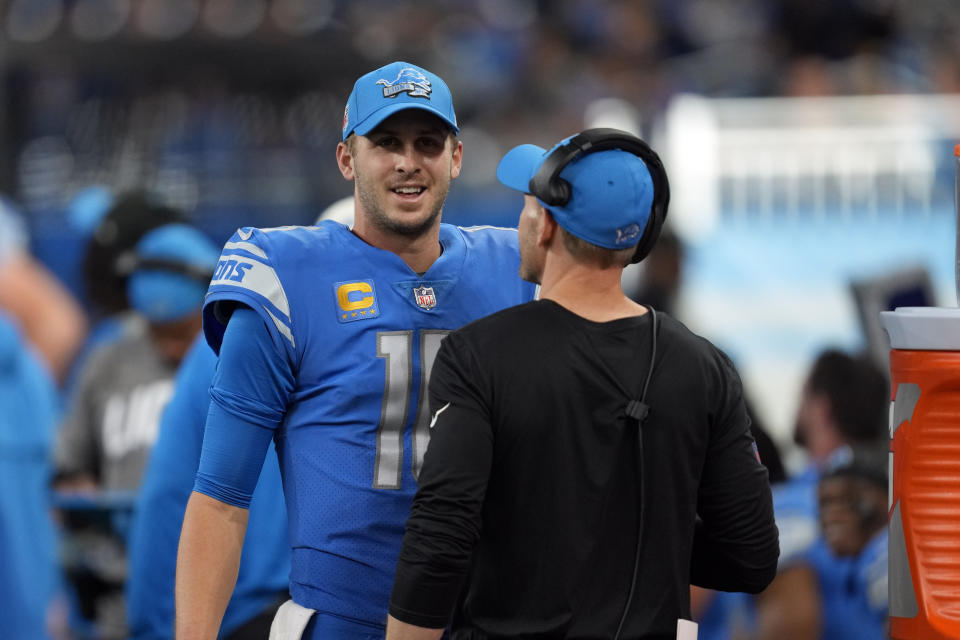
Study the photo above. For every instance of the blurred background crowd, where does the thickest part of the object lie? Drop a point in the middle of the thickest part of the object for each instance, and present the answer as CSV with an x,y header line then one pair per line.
x,y
809,145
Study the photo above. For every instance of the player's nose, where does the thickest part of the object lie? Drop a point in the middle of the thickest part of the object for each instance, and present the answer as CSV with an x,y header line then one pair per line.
x,y
407,158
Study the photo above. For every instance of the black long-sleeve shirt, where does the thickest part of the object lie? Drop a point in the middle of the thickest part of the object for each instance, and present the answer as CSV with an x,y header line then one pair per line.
x,y
530,482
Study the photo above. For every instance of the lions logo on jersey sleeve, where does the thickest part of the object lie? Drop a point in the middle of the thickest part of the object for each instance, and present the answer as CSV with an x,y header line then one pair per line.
x,y
246,274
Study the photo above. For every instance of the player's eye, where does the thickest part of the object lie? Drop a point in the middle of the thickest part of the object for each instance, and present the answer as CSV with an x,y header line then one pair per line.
x,y
431,143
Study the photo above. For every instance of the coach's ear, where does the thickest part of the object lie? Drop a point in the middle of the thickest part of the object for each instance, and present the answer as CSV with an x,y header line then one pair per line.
x,y
345,160
547,230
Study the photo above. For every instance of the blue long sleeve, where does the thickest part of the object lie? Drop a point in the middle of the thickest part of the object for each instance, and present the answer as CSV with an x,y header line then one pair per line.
x,y
250,390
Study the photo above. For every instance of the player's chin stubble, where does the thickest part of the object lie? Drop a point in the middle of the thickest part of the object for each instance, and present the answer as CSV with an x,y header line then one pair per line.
x,y
381,219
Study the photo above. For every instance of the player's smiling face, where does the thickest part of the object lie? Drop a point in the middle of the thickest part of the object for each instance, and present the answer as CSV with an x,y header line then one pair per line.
x,y
402,170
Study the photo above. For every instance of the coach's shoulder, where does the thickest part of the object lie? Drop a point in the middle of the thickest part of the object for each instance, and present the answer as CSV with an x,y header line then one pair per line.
x,y
501,327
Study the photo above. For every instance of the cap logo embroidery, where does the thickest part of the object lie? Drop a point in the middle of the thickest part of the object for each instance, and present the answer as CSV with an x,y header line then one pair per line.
x,y
409,80
425,297
346,116
627,233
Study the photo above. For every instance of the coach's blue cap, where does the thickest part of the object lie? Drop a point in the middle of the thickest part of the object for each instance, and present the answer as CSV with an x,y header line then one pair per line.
x,y
400,85
168,293
611,192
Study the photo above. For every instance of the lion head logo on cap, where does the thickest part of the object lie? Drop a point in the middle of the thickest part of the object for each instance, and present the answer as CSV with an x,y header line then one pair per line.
x,y
627,234
409,80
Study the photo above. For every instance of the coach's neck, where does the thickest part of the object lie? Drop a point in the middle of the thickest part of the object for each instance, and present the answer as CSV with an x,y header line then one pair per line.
x,y
588,291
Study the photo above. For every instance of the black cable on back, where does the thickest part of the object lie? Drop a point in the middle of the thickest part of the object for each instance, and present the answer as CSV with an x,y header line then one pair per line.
x,y
638,409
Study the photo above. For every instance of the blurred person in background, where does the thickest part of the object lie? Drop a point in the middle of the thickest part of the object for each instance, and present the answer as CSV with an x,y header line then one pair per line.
x,y
28,557
111,424
112,421
844,402
840,582
158,516
325,336
49,317
113,226
168,481
850,559
83,213
129,217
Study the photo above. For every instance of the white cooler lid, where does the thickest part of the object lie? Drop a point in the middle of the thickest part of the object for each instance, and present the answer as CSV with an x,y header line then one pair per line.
x,y
923,328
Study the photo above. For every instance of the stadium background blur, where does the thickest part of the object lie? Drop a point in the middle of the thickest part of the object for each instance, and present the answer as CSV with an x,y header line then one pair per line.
x,y
809,142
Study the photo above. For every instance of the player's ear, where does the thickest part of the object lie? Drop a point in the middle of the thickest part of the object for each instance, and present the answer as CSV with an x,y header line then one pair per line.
x,y
457,158
345,160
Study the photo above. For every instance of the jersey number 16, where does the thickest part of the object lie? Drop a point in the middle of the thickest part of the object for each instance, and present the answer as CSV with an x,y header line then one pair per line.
x,y
396,348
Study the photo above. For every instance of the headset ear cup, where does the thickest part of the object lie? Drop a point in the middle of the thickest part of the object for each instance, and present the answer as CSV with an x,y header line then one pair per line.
x,y
658,209
553,190
560,190
651,233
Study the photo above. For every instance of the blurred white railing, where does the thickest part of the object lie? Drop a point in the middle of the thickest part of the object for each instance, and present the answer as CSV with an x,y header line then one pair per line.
x,y
793,157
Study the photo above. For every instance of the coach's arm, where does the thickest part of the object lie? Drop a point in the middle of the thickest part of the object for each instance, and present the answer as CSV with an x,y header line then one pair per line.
x,y
736,543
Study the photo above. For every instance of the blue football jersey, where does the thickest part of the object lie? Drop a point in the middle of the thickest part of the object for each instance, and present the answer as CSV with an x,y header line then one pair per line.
x,y
853,590
795,509
360,330
872,571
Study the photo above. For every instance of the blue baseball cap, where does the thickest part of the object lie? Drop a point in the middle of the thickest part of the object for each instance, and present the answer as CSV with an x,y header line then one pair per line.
x,y
399,85
611,192
165,293
88,207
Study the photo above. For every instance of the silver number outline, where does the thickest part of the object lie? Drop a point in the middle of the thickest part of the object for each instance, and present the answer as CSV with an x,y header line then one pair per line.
x,y
396,349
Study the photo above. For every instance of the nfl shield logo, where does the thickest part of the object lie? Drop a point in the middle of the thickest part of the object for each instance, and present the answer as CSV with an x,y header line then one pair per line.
x,y
424,297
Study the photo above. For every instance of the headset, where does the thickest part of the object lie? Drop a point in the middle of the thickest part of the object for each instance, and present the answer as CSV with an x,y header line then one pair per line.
x,y
550,188
130,262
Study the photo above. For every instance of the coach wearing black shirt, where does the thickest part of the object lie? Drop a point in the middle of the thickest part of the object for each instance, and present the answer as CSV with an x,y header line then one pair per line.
x,y
590,458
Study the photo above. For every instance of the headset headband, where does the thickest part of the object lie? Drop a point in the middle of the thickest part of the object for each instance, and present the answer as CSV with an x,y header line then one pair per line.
x,y
554,191
129,263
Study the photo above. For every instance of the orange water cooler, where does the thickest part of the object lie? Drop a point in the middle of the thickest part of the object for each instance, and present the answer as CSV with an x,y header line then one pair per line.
x,y
924,542
924,508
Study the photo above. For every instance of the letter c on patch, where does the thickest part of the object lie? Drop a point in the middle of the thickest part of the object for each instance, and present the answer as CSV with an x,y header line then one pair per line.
x,y
360,302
